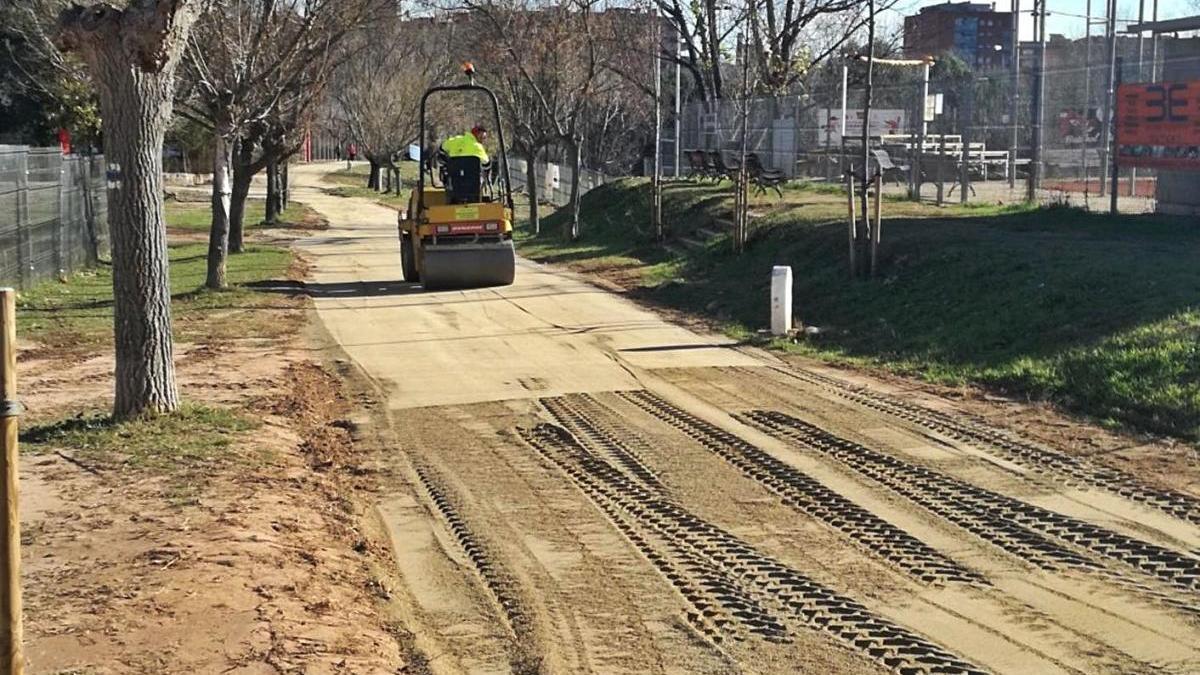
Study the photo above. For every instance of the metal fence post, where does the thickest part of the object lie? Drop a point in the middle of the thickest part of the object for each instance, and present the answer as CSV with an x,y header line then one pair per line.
x,y
968,115
22,230
89,209
65,218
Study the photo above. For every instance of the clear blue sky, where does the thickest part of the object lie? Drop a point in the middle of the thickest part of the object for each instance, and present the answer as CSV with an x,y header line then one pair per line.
x,y
1066,16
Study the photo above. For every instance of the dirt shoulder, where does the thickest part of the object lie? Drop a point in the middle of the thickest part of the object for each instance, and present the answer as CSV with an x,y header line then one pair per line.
x,y
238,539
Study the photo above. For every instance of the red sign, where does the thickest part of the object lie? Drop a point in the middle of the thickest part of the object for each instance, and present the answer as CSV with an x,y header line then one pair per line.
x,y
1158,124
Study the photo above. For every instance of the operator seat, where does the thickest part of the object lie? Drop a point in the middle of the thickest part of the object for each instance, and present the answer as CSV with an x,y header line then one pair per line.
x,y
463,178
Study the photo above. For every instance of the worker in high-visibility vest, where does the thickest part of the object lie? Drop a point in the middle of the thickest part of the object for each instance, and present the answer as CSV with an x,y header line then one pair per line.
x,y
468,145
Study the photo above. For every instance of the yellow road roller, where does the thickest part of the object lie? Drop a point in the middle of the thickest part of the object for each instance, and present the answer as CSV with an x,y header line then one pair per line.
x,y
459,234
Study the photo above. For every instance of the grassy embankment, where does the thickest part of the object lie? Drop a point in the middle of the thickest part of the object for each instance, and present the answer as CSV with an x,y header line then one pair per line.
x,y
73,319
1098,314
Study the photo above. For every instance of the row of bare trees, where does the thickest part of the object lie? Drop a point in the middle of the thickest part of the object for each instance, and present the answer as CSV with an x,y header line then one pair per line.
x,y
376,95
253,71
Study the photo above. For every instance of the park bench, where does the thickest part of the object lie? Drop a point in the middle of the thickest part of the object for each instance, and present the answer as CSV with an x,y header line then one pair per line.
x,y
720,168
697,167
888,168
762,177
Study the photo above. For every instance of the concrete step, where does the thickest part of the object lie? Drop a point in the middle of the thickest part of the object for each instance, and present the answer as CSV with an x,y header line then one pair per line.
x,y
692,244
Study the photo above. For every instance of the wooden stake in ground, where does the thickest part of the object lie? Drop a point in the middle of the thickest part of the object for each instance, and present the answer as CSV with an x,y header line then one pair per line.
x,y
10,542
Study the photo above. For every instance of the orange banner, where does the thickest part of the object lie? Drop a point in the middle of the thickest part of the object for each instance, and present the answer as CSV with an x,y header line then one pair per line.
x,y
1159,114
1158,125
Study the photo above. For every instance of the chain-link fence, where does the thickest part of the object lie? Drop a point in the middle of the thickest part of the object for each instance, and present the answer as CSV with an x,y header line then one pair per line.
x,y
976,128
53,214
554,180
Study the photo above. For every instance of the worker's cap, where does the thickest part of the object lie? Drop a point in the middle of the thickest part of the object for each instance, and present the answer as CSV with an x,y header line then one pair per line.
x,y
479,129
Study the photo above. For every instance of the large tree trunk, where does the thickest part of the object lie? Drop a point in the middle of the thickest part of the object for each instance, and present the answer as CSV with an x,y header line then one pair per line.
x,y
273,197
132,54
374,179
218,234
243,176
531,187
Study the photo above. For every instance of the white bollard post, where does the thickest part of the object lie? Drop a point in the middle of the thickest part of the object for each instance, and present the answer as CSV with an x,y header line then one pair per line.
x,y
781,300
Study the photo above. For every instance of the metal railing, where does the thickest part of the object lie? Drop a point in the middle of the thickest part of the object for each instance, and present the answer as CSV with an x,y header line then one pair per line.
x,y
554,180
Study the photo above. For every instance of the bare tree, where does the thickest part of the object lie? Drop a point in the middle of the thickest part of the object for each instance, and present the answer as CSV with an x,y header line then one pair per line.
x,y
377,94
549,46
530,130
132,55
703,28
247,62
788,38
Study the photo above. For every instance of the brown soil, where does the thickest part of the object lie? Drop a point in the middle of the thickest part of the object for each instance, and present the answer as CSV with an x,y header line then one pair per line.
x,y
265,561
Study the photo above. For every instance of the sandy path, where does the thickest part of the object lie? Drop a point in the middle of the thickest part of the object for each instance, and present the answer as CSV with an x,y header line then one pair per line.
x,y
593,489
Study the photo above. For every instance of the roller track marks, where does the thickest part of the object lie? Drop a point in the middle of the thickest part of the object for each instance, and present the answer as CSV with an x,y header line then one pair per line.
x,y
797,490
1065,469
588,419
733,589
498,581
1019,527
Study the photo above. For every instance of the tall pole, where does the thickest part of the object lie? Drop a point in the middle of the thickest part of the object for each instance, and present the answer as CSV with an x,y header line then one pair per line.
x,y
1014,106
1087,98
866,130
915,173
678,107
845,94
740,217
1116,156
1141,44
656,205
1154,45
1039,97
1109,93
